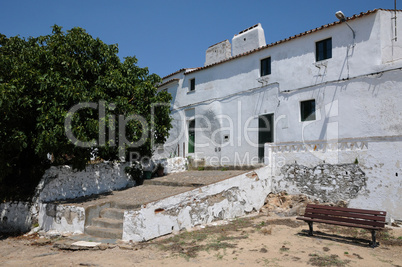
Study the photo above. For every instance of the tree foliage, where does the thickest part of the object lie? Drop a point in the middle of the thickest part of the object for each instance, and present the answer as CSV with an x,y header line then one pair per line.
x,y
42,78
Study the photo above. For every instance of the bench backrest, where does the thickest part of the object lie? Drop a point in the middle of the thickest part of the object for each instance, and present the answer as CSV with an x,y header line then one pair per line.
x,y
357,216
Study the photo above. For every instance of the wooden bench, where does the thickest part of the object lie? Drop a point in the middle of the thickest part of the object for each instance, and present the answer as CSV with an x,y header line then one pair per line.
x,y
366,219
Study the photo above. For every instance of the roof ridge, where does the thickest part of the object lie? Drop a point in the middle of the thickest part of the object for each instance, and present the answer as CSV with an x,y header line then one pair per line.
x,y
361,14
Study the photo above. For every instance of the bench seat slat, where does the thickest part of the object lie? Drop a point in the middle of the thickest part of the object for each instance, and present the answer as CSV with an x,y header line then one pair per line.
x,y
373,212
310,211
343,219
340,223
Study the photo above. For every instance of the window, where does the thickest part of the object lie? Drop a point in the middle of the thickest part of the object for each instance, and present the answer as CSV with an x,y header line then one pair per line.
x,y
307,110
266,66
323,49
192,84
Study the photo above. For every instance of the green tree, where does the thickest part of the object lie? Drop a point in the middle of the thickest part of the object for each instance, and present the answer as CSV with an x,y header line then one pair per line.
x,y
42,78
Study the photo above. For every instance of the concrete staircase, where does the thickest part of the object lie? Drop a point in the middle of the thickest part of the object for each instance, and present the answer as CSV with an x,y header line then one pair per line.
x,y
109,224
104,214
106,219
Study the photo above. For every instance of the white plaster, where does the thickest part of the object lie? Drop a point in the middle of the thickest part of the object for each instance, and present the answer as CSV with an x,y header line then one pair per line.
x,y
218,52
227,199
356,93
62,218
248,40
15,217
177,164
377,157
64,183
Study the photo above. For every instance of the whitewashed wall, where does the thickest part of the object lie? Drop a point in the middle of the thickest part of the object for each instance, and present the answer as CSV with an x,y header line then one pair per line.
x,y
356,93
61,218
376,180
63,182
15,217
227,199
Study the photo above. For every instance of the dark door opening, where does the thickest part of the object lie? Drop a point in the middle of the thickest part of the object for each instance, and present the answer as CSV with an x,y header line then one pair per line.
x,y
265,133
191,136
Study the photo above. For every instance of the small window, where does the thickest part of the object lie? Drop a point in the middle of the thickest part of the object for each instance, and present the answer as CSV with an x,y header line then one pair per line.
x,y
323,49
192,84
266,66
307,110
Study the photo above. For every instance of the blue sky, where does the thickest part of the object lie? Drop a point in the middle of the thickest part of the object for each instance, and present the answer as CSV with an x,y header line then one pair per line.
x,y
167,35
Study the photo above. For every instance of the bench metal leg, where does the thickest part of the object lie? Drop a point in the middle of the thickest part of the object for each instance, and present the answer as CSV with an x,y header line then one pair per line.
x,y
310,230
373,243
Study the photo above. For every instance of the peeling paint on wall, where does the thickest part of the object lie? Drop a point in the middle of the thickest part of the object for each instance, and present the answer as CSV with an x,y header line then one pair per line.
x,y
227,199
61,218
365,176
327,182
15,217
59,183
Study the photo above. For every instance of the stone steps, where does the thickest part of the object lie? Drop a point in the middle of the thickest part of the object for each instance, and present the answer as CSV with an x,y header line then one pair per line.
x,y
107,223
104,217
112,213
103,232
105,220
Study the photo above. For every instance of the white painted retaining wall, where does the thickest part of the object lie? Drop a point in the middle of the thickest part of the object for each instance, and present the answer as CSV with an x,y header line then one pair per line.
x,y
60,183
15,217
233,197
61,218
63,182
380,160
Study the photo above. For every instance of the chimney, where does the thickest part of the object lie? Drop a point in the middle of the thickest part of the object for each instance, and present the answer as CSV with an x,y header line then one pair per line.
x,y
248,39
218,52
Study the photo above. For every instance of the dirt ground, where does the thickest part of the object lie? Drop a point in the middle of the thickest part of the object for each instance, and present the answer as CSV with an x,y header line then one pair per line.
x,y
259,240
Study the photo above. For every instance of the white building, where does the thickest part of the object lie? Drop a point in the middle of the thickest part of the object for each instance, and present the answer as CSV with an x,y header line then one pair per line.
x,y
334,82
321,109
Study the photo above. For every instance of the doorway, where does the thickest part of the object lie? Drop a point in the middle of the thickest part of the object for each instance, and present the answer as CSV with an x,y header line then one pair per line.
x,y
265,133
191,136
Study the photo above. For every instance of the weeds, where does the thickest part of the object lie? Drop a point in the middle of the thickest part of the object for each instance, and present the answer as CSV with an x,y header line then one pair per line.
x,y
189,244
332,260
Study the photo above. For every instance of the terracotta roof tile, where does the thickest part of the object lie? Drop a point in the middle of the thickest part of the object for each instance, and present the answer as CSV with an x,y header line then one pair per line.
x,y
174,73
169,81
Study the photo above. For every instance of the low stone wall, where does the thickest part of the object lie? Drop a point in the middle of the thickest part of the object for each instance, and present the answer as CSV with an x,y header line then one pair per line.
x,y
15,217
233,197
62,182
326,182
177,164
171,165
365,173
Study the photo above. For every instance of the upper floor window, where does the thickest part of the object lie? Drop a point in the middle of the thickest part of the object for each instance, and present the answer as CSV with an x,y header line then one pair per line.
x,y
323,49
265,66
307,110
192,84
